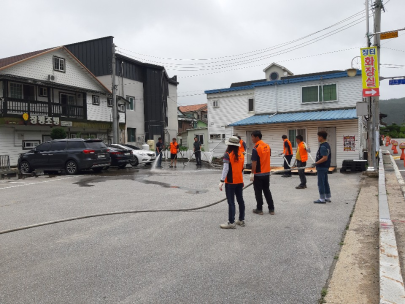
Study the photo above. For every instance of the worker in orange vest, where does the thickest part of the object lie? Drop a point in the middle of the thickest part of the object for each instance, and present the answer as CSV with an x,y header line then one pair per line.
x,y
242,144
301,158
232,176
174,149
260,175
288,154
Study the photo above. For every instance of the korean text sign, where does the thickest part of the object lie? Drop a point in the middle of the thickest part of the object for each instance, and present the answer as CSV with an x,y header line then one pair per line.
x,y
369,65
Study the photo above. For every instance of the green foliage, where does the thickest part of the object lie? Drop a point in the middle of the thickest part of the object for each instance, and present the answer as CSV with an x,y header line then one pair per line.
x,y
183,148
58,133
394,130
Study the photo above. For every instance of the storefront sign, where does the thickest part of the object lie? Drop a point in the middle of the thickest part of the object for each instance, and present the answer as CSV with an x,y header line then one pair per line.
x,y
370,78
66,123
44,120
349,143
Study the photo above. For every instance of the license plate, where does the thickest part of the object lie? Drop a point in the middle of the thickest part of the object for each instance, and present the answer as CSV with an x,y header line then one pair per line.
x,y
101,156
127,154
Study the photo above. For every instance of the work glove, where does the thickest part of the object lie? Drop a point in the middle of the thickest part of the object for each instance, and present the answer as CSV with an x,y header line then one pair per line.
x,y
313,165
244,153
252,177
221,184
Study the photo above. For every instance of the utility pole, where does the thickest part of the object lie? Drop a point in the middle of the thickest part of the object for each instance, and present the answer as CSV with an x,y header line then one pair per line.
x,y
115,123
378,6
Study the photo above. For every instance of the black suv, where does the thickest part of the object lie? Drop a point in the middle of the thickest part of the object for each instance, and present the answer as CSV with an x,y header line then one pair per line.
x,y
71,155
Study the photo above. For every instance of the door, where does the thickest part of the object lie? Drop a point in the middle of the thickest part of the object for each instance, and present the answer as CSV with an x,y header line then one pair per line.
x,y
249,147
57,155
39,159
331,139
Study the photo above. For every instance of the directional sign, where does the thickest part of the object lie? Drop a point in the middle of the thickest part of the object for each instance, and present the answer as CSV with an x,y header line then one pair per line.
x,y
369,74
397,81
389,35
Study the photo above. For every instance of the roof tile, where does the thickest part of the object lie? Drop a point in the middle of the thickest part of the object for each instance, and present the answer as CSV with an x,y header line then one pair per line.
x,y
13,59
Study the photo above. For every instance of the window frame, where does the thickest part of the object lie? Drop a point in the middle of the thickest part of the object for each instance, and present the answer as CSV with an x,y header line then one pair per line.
x,y
16,83
253,105
60,59
215,103
320,92
109,102
133,103
128,135
34,143
39,91
199,137
93,100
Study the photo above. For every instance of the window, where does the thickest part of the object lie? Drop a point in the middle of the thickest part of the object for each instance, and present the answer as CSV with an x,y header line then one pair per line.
x,y
273,76
59,64
29,144
96,100
16,90
215,103
320,93
292,133
109,102
43,92
44,147
121,108
58,145
200,138
75,145
29,92
131,134
131,104
217,136
251,105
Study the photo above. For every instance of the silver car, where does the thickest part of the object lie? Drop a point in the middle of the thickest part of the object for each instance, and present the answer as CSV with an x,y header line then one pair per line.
x,y
139,156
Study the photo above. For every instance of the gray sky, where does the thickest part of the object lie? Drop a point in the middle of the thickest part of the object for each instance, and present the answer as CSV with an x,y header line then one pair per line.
x,y
185,29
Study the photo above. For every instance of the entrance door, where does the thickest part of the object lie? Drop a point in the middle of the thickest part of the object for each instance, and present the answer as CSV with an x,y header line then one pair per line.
x,y
331,139
249,147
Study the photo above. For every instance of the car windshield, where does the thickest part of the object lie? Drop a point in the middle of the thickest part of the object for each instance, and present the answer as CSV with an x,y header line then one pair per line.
x,y
95,145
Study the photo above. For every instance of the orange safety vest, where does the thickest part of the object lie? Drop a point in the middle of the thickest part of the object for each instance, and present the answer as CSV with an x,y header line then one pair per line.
x,y
235,173
174,147
241,148
263,153
303,152
285,150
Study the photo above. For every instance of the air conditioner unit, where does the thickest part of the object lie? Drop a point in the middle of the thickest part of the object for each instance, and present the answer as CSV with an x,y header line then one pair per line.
x,y
51,78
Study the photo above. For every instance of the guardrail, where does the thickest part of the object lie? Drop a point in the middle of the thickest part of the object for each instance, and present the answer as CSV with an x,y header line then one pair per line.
x,y
4,162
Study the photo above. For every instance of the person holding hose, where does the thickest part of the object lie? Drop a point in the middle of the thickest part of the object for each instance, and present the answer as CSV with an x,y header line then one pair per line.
x,y
197,151
243,147
288,154
159,149
322,163
260,175
301,158
174,149
232,176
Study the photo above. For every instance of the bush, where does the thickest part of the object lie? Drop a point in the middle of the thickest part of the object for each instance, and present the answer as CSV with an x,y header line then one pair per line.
x,y
58,133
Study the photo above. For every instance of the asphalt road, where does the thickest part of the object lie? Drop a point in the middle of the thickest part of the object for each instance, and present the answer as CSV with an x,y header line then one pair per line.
x,y
400,163
179,257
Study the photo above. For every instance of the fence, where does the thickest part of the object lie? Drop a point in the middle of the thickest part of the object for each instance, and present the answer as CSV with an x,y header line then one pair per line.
x,y
4,162
205,156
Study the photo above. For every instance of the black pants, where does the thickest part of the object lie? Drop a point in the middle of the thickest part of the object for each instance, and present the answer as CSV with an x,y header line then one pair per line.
x,y
286,166
231,191
301,172
198,157
261,184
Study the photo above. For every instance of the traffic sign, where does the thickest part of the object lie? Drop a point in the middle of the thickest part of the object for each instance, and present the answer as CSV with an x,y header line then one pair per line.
x,y
369,74
371,92
389,35
397,81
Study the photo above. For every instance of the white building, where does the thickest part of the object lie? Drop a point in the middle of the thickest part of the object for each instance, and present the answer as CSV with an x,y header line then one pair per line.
x,y
44,89
289,104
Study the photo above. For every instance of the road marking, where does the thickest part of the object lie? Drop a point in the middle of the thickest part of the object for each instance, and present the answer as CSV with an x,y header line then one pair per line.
x,y
396,157
43,182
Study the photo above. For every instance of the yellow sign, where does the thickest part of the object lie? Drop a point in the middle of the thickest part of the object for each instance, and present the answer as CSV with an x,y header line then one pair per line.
x,y
26,116
389,35
369,73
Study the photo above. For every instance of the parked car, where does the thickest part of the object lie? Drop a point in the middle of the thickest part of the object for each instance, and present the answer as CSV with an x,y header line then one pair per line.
x,y
70,155
139,156
120,157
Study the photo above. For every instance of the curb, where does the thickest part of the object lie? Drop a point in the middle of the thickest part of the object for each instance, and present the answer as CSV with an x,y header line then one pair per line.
x,y
399,176
391,282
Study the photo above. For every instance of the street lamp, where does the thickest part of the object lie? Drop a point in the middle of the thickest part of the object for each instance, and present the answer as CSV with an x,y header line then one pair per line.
x,y
352,71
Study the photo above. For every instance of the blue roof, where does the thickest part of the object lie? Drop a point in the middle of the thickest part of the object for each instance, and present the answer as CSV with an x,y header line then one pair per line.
x,y
345,114
284,81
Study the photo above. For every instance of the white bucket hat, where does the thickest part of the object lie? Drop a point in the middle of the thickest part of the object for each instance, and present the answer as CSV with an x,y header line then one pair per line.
x,y
233,141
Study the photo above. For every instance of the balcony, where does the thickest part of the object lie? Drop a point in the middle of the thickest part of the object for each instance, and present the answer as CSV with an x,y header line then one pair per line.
x,y
16,107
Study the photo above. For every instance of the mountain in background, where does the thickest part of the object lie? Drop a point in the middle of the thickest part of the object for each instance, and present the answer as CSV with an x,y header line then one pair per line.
x,y
395,109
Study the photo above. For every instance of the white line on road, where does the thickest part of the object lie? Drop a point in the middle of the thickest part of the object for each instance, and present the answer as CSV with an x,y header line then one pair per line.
x,y
43,182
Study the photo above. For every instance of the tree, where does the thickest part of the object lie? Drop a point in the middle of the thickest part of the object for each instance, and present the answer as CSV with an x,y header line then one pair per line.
x,y
58,133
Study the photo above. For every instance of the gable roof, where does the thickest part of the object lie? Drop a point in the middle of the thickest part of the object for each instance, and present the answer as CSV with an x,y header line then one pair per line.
x,y
193,108
280,66
14,60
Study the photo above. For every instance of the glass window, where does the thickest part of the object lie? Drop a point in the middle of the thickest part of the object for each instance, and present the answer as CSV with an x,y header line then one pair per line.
x,y
291,137
329,92
75,145
44,147
58,145
310,94
16,90
95,145
109,102
251,105
43,92
131,134
200,138
96,100
59,64
131,104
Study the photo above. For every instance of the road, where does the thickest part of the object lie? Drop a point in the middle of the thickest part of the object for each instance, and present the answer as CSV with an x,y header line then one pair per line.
x,y
181,257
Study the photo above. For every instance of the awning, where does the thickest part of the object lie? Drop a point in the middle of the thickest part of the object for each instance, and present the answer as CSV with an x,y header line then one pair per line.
x,y
345,114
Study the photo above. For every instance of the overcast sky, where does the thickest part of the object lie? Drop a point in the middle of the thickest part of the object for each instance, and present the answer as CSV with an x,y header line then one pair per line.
x,y
191,29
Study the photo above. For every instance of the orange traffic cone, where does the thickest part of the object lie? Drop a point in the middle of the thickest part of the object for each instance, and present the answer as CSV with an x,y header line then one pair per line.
x,y
394,145
402,147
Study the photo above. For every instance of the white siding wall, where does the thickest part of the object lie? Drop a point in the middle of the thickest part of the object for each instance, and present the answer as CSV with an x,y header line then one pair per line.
x,y
100,112
289,96
42,66
233,106
272,135
173,125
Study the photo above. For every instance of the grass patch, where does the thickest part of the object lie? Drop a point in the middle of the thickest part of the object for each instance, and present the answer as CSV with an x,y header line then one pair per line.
x,y
341,243
336,257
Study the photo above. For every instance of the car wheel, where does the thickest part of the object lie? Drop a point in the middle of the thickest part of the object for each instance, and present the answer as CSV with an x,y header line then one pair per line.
x,y
122,166
25,167
98,170
71,167
134,162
